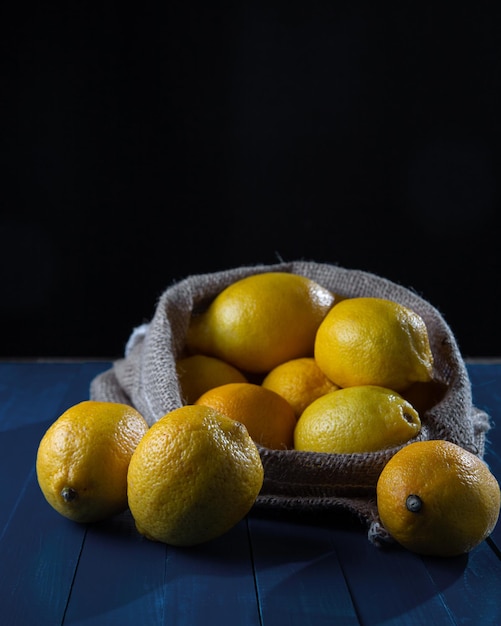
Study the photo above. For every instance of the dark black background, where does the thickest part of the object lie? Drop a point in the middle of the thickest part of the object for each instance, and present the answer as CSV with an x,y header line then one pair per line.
x,y
139,147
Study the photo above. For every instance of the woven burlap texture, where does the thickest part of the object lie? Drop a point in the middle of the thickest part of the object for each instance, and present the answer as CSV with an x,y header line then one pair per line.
x,y
146,379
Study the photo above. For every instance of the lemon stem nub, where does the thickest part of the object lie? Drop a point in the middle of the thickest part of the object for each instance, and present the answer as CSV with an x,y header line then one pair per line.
x,y
68,494
413,503
408,417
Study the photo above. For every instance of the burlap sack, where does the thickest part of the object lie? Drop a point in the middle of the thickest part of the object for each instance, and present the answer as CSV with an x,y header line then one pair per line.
x,y
146,378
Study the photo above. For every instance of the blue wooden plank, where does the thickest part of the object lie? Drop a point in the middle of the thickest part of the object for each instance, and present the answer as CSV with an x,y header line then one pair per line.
x,y
33,392
486,389
469,585
81,386
123,578
39,552
120,577
18,450
390,586
219,574
299,577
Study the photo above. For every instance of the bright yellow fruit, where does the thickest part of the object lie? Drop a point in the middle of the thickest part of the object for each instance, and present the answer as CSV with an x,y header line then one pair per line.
x,y
374,341
268,417
366,418
261,320
199,373
299,381
436,498
83,458
194,475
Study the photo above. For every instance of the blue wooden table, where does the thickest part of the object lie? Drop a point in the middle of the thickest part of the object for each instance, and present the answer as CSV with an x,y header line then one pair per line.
x,y
269,569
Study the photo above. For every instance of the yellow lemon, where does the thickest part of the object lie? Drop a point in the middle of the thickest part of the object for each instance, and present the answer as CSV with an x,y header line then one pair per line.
x,y
366,418
299,381
374,341
193,476
261,320
199,373
268,417
83,458
436,498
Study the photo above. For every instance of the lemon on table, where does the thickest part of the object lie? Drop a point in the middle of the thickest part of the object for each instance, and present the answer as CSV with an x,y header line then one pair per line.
x,y
359,419
436,498
260,321
193,476
83,458
268,417
299,381
374,341
199,373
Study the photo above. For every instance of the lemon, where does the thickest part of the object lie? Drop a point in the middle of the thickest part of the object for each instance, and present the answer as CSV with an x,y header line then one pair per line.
x,y
299,381
434,497
374,341
366,418
83,458
268,417
260,321
199,373
194,475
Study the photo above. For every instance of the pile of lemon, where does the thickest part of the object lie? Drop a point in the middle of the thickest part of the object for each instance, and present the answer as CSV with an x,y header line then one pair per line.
x,y
278,361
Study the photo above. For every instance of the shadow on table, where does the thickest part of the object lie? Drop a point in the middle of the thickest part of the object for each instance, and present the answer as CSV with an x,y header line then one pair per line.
x,y
128,579
320,554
